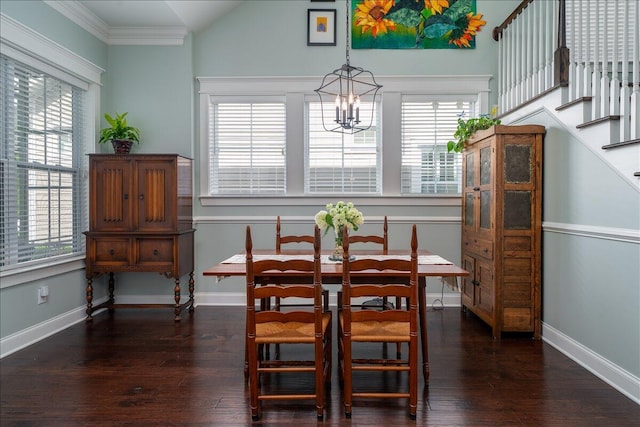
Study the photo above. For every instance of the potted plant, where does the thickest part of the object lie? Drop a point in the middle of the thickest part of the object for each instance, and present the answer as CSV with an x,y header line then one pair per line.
x,y
466,128
121,135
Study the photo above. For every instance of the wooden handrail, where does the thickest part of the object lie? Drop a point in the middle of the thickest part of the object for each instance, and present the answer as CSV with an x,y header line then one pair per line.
x,y
497,31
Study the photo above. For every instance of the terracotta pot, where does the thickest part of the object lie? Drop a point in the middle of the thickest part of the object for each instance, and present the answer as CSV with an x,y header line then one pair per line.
x,y
121,146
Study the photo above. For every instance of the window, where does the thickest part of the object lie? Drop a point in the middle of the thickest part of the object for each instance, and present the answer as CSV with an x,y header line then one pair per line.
x,y
341,163
427,126
247,153
42,165
296,162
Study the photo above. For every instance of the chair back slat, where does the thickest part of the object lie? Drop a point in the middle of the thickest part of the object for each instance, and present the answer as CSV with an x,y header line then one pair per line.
x,y
379,240
287,239
298,291
284,316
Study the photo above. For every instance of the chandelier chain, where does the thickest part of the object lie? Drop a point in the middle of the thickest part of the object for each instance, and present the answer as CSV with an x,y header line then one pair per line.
x,y
347,32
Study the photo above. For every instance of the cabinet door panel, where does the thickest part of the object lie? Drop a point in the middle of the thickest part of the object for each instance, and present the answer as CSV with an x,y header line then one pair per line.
x,y
517,164
468,263
517,210
484,291
111,188
156,195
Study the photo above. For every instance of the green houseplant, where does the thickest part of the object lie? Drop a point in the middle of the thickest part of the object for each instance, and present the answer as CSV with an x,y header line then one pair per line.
x,y
121,135
466,128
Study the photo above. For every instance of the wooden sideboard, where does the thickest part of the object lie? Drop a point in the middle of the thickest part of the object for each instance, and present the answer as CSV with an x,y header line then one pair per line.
x,y
140,220
502,226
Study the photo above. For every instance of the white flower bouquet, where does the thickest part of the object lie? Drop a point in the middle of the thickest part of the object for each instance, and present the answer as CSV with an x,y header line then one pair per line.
x,y
337,217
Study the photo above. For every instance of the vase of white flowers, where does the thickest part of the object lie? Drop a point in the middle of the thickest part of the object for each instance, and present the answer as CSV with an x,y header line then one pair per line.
x,y
337,217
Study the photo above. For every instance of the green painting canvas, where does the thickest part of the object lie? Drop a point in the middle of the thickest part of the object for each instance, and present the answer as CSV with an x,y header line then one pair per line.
x,y
415,24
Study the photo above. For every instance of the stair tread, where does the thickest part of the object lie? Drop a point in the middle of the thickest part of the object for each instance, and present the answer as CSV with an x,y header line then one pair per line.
x,y
621,144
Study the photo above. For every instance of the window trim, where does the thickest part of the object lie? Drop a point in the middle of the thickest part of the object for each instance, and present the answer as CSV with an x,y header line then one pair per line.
x,y
32,48
295,89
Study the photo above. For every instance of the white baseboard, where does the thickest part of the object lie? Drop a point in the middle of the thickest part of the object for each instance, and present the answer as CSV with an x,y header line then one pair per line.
x,y
31,335
623,381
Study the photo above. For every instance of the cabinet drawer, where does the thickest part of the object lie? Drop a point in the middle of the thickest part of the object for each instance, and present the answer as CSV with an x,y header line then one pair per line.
x,y
154,251
481,247
111,251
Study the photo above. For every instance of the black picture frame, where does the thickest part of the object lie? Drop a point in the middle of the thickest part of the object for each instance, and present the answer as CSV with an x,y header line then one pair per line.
x,y
321,27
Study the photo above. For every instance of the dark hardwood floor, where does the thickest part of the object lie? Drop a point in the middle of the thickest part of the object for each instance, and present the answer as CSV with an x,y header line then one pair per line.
x,y
139,368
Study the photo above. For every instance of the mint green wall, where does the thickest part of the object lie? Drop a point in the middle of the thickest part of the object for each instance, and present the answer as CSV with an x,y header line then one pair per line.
x,y
269,38
591,285
155,85
39,16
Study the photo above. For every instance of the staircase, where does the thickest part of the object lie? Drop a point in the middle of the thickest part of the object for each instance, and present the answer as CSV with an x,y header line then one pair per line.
x,y
580,61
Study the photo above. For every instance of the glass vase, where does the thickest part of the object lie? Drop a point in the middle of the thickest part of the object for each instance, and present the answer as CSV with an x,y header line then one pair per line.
x,y
337,248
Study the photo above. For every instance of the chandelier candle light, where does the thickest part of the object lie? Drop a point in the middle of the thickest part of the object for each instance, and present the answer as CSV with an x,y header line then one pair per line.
x,y
344,87
337,217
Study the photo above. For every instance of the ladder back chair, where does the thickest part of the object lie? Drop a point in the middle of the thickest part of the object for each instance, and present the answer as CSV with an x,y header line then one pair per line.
x,y
369,326
305,240
309,325
383,242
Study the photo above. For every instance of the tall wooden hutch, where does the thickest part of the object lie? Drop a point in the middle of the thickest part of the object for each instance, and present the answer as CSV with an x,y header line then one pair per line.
x,y
501,227
140,220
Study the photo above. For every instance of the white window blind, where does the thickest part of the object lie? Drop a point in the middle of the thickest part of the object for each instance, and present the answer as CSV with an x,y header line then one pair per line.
x,y
342,163
427,126
42,190
247,147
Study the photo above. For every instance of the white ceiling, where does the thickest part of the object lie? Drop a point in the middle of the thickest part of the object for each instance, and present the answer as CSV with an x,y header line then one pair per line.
x,y
148,21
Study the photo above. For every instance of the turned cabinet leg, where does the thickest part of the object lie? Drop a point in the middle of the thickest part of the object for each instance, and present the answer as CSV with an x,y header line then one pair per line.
x,y
176,297
89,299
191,289
112,285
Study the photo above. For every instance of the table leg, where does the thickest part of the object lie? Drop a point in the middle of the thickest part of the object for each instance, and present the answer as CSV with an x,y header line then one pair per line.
x,y
422,314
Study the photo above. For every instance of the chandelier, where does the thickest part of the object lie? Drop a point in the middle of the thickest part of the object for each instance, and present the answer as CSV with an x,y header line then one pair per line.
x,y
341,93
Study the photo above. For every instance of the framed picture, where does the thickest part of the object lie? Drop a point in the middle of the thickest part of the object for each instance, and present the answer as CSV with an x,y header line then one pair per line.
x,y
321,27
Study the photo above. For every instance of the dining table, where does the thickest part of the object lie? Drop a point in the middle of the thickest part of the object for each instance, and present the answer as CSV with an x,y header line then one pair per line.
x,y
429,265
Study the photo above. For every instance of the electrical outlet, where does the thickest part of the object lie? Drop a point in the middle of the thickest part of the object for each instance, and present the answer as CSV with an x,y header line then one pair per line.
x,y
43,294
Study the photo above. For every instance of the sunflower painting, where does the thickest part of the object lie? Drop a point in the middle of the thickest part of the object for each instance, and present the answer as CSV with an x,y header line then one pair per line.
x,y
415,24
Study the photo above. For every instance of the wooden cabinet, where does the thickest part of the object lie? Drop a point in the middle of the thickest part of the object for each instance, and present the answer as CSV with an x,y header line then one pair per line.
x,y
140,220
501,227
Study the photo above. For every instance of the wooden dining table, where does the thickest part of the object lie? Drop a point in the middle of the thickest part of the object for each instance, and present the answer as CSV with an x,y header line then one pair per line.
x,y
429,265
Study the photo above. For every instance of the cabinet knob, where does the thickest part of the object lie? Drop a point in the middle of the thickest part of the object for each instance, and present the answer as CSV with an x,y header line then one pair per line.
x,y
476,188
125,196
155,252
475,283
111,252
141,197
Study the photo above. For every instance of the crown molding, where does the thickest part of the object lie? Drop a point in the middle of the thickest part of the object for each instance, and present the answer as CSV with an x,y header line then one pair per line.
x,y
25,42
82,16
157,36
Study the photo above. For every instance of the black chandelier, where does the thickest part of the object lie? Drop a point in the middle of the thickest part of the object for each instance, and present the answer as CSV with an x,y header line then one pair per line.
x,y
341,92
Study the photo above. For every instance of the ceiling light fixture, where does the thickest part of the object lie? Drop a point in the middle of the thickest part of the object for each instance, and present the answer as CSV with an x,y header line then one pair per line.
x,y
341,93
